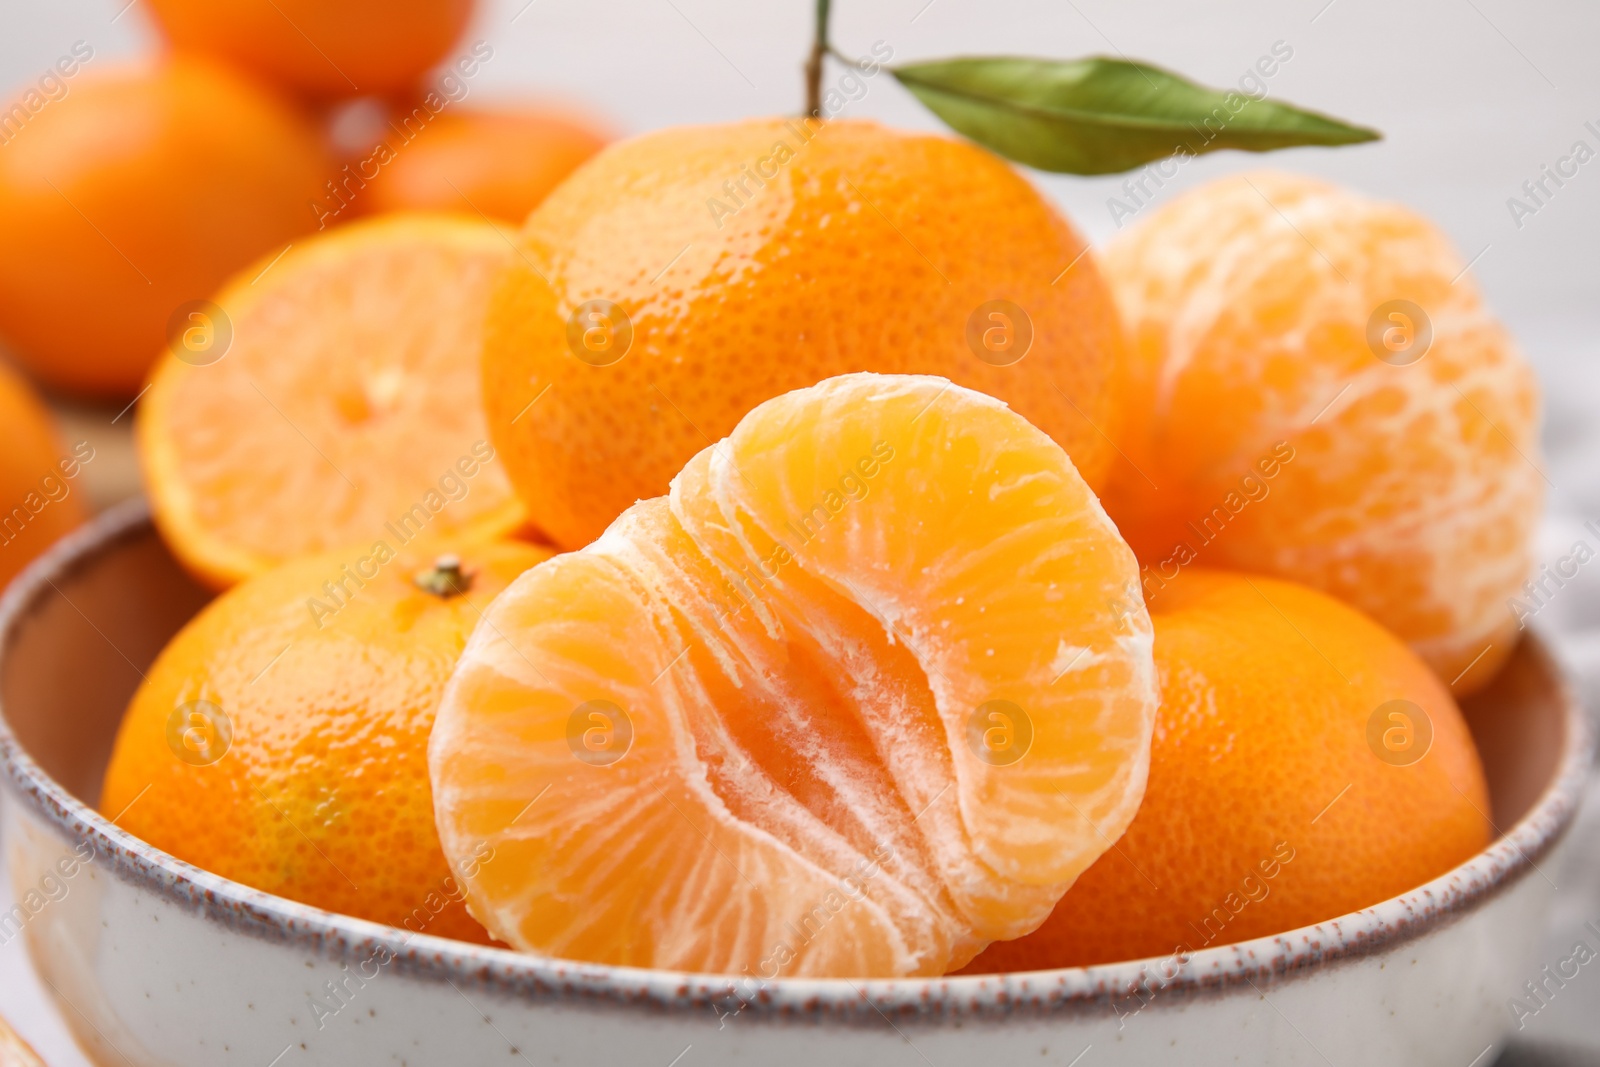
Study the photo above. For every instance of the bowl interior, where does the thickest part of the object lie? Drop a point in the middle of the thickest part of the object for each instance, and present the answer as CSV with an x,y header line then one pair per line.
x,y
81,646
95,617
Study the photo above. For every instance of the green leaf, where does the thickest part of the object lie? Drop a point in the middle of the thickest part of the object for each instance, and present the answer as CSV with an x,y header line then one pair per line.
x,y
1102,115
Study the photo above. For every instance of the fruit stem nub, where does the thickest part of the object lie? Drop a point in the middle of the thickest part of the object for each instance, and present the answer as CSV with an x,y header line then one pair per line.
x,y
819,51
445,578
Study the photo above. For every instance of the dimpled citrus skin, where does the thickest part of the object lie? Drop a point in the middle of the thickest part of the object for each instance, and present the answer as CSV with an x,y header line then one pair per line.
x,y
320,47
346,401
143,188
1412,493
502,162
867,249
37,503
1265,799
323,794
803,635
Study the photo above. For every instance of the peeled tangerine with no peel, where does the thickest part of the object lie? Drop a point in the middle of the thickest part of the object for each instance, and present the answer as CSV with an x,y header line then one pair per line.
x,y
1319,392
864,692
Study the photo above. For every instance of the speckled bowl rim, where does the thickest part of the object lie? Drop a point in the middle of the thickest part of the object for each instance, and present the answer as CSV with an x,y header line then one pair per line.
x,y
1225,969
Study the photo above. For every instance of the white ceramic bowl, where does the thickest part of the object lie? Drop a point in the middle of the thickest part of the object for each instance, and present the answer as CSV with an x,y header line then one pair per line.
x,y
156,962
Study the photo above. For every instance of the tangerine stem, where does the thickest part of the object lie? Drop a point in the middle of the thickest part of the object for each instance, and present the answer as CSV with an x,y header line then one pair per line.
x,y
819,52
445,578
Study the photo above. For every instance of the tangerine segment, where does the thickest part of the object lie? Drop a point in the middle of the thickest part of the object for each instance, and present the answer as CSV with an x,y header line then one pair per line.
x,y
865,692
1318,392
327,396
1306,764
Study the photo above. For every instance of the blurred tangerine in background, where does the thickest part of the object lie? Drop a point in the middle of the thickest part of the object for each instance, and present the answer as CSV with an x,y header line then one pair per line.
x,y
321,48
140,190
432,151
36,478
494,161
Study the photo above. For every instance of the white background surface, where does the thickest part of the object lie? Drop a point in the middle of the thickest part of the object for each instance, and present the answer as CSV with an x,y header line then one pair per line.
x,y
1473,96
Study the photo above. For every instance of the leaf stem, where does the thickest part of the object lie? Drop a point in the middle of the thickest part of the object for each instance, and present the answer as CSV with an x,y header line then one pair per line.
x,y
819,52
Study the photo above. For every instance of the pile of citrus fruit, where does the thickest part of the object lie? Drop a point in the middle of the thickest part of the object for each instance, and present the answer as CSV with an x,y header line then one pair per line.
x,y
141,187
860,579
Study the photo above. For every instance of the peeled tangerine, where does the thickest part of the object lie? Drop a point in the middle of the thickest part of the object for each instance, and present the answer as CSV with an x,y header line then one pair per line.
x,y
1319,392
866,691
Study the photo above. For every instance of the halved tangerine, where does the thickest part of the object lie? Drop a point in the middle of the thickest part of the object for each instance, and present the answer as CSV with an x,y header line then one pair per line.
x,y
866,691
330,396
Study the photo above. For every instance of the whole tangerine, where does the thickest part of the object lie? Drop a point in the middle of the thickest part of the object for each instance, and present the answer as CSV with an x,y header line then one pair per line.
x,y
280,739
681,278
1306,764
317,47
134,196
497,162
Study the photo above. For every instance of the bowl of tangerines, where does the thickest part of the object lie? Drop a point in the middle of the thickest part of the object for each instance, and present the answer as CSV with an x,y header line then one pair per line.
x,y
785,600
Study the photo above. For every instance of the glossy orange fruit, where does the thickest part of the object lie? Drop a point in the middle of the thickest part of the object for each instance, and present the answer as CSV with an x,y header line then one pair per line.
x,y
39,495
852,700
280,739
496,162
317,47
328,396
683,277
140,190
1319,392
1306,764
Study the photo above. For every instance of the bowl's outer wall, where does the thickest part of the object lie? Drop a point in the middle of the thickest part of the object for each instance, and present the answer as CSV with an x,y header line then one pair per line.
x,y
146,982
209,976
